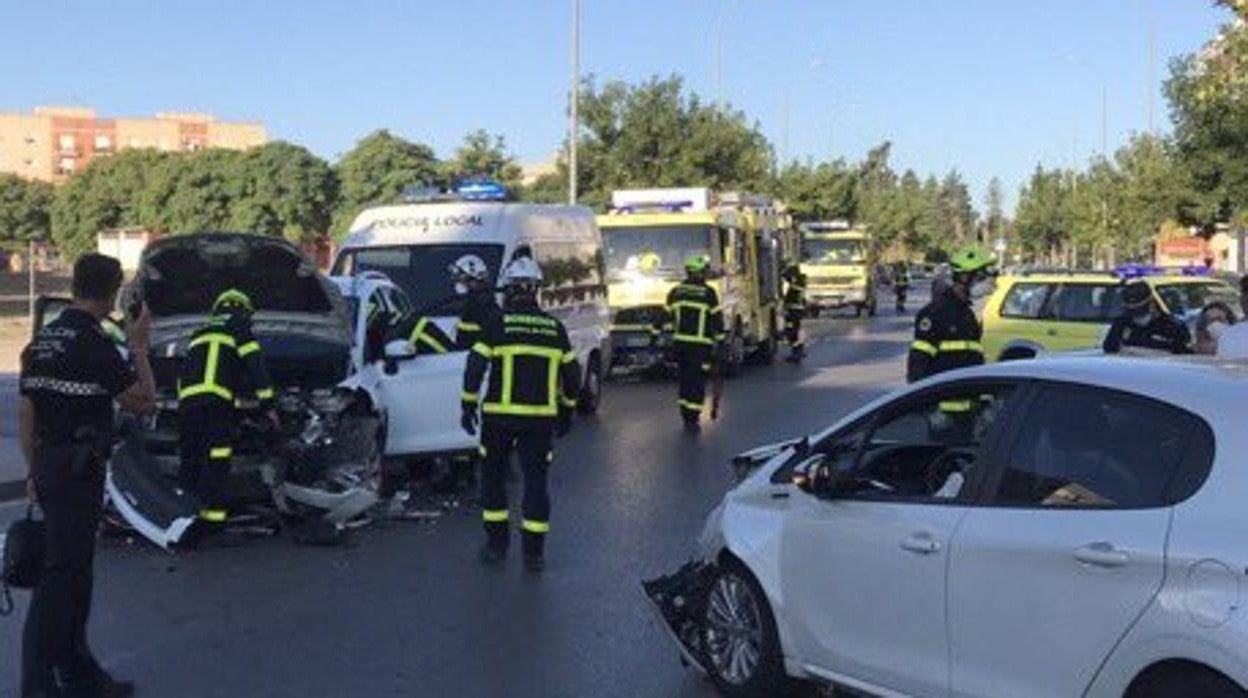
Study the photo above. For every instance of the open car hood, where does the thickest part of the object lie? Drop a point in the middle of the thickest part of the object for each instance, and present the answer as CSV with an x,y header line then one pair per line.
x,y
301,319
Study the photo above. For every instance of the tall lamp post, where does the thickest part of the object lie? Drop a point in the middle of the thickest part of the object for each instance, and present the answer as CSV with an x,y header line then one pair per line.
x,y
575,97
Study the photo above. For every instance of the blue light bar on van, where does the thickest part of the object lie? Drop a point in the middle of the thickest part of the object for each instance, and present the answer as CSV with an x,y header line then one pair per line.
x,y
1138,271
482,190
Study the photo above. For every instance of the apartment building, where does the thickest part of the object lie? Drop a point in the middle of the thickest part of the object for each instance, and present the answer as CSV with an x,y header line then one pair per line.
x,y
52,143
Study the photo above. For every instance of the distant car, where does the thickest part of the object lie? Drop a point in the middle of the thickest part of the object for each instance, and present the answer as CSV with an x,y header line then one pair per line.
x,y
1075,529
1033,313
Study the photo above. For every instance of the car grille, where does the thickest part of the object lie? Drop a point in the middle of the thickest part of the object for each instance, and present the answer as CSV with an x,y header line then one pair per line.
x,y
833,280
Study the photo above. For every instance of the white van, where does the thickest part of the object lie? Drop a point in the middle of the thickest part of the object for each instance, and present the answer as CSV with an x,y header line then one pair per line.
x,y
414,245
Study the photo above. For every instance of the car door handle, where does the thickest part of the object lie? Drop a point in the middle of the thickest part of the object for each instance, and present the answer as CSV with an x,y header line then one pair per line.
x,y
1102,555
920,543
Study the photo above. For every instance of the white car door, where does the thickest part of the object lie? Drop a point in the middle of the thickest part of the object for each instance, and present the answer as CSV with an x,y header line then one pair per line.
x,y
864,571
422,399
1069,549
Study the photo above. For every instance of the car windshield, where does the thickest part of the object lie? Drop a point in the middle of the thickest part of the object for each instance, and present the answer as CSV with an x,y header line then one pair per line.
x,y
836,251
653,250
1182,299
422,271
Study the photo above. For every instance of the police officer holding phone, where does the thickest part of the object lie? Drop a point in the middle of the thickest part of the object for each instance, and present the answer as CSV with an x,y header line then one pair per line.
x,y
71,375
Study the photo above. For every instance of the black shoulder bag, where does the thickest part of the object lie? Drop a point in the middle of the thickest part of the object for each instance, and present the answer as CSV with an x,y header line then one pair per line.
x,y
23,558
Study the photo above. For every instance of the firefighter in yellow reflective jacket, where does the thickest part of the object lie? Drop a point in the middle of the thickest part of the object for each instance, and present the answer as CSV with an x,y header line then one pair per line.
x,y
223,364
946,332
794,312
534,380
424,335
697,324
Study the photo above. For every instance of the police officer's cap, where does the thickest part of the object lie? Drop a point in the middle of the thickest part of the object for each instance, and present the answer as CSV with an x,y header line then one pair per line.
x,y
1136,294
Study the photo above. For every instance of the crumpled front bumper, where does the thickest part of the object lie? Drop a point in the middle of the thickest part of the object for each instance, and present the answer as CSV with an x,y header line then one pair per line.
x,y
676,600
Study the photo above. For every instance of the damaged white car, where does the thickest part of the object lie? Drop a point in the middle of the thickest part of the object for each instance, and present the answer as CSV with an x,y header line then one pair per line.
x,y
1059,527
320,470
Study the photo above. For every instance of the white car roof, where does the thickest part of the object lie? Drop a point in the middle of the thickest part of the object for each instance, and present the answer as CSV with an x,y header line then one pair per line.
x,y
449,222
1215,389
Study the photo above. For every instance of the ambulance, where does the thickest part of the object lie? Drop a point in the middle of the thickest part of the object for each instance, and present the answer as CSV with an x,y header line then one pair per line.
x,y
648,235
414,244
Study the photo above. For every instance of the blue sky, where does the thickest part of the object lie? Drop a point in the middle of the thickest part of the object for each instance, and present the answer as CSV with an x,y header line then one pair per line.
x,y
990,87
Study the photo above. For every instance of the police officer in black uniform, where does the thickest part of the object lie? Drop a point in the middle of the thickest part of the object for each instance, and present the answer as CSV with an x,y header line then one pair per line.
x,y
697,324
1143,324
794,312
472,280
946,332
534,380
71,374
223,364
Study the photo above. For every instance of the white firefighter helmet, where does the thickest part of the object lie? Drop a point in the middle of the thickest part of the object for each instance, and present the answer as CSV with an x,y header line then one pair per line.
x,y
522,271
470,266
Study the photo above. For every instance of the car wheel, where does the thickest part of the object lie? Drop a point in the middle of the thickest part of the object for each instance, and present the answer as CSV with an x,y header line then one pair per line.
x,y
591,392
739,636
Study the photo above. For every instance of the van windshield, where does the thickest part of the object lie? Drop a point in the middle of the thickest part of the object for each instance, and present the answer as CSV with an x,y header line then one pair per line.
x,y
658,251
422,271
836,251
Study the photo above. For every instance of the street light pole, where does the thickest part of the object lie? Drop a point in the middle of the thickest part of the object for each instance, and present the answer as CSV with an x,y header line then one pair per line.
x,y
575,98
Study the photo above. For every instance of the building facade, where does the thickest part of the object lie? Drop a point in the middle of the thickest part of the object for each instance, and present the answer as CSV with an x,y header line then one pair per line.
x,y
53,143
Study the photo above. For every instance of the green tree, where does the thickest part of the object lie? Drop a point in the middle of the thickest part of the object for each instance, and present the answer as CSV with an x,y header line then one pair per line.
x,y
1208,95
484,155
117,191
285,191
826,191
25,209
1042,219
377,170
655,135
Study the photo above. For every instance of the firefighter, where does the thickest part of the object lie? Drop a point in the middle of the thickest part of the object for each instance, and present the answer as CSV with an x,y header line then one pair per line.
x,y
423,334
533,382
697,324
1144,325
472,281
794,312
901,284
946,332
223,364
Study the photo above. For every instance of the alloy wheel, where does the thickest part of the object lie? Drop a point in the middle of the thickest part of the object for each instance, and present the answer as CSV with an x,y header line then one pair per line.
x,y
734,629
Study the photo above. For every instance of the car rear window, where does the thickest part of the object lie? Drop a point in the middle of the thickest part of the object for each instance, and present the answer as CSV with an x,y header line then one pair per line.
x,y
1090,447
1025,300
1099,303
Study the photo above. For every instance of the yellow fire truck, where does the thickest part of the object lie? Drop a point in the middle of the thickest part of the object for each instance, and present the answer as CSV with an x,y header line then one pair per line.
x,y
648,235
838,262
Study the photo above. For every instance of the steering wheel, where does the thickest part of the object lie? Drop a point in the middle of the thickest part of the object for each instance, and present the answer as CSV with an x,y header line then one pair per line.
x,y
944,465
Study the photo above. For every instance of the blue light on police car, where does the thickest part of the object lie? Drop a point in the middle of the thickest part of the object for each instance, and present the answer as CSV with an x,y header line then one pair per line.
x,y
482,190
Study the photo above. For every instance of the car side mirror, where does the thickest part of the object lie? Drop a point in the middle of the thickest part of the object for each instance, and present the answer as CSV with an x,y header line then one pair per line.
x,y
397,350
813,476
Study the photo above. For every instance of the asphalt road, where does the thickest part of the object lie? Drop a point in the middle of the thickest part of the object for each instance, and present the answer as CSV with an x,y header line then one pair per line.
x,y
407,610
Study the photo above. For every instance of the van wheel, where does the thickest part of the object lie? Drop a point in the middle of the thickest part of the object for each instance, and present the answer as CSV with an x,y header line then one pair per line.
x,y
591,392
739,636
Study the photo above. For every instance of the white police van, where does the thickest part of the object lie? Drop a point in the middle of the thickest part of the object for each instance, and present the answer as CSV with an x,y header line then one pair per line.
x,y
414,245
